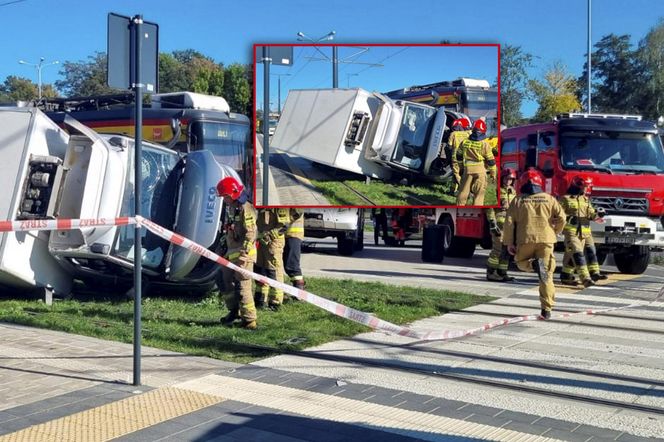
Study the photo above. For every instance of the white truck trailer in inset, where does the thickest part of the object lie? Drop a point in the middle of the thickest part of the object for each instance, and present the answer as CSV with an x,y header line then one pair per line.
x,y
362,132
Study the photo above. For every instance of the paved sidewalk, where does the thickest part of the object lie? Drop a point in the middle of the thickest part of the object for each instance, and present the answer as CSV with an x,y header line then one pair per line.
x,y
57,386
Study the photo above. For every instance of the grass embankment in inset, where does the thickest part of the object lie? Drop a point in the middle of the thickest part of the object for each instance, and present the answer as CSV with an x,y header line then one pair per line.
x,y
421,193
192,325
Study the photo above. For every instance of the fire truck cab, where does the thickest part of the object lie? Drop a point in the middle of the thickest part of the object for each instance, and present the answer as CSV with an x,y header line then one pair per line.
x,y
624,157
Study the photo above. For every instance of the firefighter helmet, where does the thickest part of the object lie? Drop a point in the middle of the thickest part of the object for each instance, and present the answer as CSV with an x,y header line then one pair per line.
x,y
507,173
583,182
531,176
480,126
230,186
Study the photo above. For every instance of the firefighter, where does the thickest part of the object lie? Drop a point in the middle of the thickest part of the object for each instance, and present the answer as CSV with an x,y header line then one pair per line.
x,y
294,237
533,220
460,132
272,225
477,158
499,258
240,232
580,252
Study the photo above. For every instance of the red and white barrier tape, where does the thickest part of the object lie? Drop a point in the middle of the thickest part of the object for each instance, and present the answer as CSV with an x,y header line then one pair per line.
x,y
62,224
350,313
326,304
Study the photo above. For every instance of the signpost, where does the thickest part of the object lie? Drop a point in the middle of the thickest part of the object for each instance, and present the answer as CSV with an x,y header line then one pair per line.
x,y
281,56
133,53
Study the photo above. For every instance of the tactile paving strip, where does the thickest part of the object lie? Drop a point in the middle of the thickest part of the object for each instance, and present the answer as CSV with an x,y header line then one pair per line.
x,y
117,418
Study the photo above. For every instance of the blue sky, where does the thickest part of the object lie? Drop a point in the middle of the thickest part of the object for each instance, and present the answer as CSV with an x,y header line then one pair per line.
x,y
225,30
387,68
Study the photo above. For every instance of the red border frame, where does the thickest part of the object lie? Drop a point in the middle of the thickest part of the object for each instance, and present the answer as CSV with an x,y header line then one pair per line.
x,y
496,45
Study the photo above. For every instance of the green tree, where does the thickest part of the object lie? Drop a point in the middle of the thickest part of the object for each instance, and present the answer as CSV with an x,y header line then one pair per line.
x,y
616,76
21,89
514,65
651,59
556,94
17,89
236,88
84,78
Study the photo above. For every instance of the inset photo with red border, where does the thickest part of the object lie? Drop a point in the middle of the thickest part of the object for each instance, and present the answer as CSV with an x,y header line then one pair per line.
x,y
376,125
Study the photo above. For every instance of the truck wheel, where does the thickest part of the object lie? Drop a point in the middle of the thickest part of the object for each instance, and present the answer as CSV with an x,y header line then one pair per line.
x,y
634,261
345,246
358,245
601,257
456,246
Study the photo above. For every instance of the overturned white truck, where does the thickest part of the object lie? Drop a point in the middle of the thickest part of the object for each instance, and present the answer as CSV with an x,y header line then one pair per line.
x,y
363,132
46,173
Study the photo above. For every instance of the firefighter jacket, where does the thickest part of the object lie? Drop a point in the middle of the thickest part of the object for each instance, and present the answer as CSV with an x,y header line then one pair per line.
x,y
272,223
579,213
296,224
454,141
476,156
507,195
533,219
241,231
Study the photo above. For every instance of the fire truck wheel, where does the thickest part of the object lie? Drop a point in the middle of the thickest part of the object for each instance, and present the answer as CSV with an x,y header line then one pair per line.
x,y
634,261
456,246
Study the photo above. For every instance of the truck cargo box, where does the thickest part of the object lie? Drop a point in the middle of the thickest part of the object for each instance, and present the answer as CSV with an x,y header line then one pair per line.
x,y
28,137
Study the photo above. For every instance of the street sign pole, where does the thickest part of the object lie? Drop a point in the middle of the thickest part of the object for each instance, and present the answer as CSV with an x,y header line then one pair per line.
x,y
266,122
137,21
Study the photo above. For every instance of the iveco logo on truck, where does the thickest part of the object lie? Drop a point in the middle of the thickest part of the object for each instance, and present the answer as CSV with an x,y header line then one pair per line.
x,y
209,207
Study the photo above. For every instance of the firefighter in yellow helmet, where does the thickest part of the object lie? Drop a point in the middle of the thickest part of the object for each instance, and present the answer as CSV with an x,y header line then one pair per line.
x,y
294,238
240,229
271,241
477,157
533,220
460,132
579,243
499,258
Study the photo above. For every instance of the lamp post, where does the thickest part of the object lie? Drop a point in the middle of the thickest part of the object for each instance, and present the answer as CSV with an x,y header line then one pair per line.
x,y
589,56
39,67
279,93
301,36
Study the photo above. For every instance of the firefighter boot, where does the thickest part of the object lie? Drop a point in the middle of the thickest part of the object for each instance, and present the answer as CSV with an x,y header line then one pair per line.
x,y
567,279
492,275
598,277
588,283
505,277
249,325
546,314
231,317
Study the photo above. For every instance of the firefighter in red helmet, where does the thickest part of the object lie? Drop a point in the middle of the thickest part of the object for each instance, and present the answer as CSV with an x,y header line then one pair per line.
x,y
477,157
240,230
460,133
580,253
533,221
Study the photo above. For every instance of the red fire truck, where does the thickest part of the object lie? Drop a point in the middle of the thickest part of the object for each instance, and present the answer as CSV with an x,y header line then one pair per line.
x,y
622,154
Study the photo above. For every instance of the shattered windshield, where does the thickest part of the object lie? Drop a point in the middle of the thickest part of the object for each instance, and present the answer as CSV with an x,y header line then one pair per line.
x,y
621,152
413,138
158,203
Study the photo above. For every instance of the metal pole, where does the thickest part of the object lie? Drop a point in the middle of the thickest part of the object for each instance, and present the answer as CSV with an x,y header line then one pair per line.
x,y
279,97
589,57
138,155
39,81
335,67
266,123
